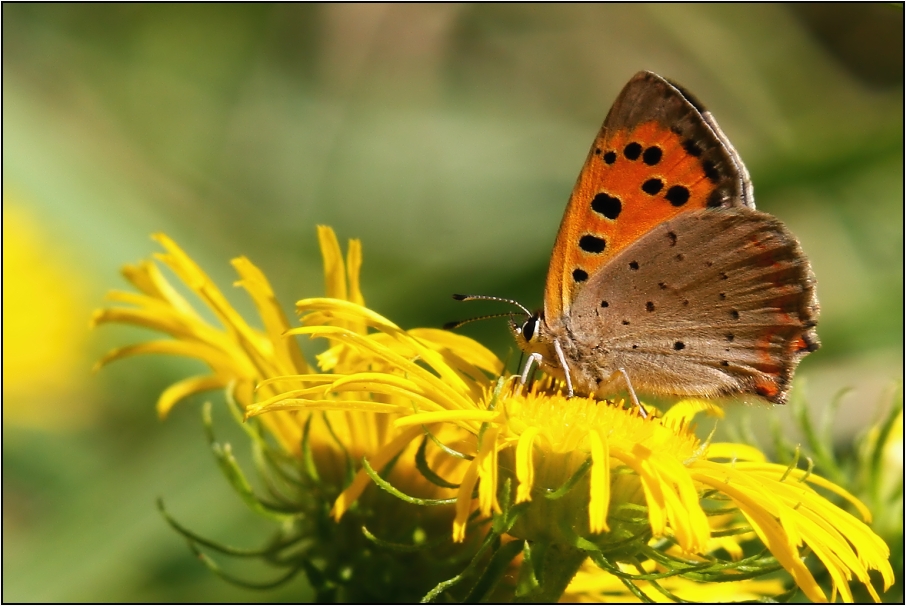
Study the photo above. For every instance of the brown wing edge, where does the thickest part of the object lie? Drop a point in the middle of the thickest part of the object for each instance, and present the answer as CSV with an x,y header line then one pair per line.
x,y
807,341
648,96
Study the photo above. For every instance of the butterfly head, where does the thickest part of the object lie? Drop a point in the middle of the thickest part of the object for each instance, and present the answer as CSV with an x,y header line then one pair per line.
x,y
529,331
533,336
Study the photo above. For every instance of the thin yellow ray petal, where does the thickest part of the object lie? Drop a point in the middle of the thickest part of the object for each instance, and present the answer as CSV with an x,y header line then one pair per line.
x,y
474,417
159,316
440,389
487,472
599,500
146,301
421,402
147,277
768,529
835,566
798,474
185,388
449,380
305,404
353,268
525,465
255,346
376,377
293,394
464,501
469,350
735,452
311,378
275,321
192,349
657,513
678,474
682,413
346,310
767,499
677,514
832,549
334,271
140,317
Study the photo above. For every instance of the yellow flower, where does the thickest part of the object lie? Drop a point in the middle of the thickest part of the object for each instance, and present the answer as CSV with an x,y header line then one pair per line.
x,y
543,441
321,449
427,414
253,360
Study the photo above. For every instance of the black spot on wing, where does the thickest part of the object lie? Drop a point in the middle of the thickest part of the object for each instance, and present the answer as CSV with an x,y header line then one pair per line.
x,y
652,155
692,147
716,199
711,171
652,186
607,205
592,244
632,151
677,195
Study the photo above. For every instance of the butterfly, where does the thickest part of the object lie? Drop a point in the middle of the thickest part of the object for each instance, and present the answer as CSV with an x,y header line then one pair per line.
x,y
663,275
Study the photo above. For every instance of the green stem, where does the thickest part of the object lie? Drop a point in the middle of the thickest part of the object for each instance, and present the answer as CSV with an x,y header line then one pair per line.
x,y
561,562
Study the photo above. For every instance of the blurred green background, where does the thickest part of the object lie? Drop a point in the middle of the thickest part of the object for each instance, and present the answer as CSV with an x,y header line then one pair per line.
x,y
447,138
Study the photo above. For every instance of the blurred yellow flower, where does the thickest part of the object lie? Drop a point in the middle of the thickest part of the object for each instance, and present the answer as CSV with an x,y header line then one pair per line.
x,y
44,335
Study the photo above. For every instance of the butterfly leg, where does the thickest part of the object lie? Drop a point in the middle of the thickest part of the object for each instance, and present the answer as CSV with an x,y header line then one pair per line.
x,y
533,358
565,367
632,396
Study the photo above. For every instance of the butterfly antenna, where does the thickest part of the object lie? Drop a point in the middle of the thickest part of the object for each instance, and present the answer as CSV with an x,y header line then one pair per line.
x,y
456,324
489,298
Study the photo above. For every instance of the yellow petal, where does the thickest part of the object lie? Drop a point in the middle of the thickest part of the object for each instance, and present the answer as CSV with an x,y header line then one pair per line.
x,y
185,388
474,416
734,452
525,465
275,321
464,501
599,500
334,272
487,471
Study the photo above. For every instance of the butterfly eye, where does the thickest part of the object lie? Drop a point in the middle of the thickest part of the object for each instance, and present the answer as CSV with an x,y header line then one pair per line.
x,y
528,329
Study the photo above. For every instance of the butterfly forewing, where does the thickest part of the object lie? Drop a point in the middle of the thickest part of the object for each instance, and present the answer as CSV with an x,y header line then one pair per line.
x,y
659,154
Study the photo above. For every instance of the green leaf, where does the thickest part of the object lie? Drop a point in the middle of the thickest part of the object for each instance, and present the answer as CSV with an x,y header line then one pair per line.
x,y
233,473
388,487
421,463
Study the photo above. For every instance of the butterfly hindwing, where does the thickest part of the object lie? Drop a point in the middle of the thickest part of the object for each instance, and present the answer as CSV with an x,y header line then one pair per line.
x,y
658,154
712,302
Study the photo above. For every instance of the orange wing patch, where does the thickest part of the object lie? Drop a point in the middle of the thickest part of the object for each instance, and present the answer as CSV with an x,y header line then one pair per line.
x,y
632,181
